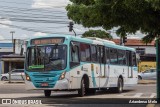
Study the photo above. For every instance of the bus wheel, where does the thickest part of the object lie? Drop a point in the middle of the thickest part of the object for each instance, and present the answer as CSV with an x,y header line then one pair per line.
x,y
82,90
139,77
119,88
47,93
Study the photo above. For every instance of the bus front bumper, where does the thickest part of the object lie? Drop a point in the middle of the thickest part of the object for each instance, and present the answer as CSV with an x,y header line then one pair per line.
x,y
60,85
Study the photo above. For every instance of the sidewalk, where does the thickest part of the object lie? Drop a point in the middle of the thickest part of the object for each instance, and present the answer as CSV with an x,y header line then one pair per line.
x,y
146,81
153,105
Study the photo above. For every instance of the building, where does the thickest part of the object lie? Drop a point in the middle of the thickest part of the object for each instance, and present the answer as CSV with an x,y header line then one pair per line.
x,y
147,53
16,59
141,48
6,48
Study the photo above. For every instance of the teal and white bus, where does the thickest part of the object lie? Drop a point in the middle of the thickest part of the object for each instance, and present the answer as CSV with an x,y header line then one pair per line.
x,y
66,63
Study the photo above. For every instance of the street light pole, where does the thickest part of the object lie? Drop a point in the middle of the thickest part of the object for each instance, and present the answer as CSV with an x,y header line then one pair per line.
x,y
12,34
10,68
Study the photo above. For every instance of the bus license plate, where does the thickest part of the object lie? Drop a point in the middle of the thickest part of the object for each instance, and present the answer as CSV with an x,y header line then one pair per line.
x,y
44,84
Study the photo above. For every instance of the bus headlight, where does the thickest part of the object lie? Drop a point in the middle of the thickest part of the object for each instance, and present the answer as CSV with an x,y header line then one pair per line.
x,y
62,76
28,78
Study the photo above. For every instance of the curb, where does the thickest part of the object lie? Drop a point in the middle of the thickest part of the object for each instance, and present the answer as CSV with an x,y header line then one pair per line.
x,y
147,82
19,82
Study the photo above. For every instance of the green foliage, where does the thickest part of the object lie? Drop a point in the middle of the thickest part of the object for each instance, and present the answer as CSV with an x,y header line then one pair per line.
x,y
97,33
128,15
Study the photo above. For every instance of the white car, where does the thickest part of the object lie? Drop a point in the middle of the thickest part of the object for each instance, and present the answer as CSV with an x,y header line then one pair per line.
x,y
150,74
16,74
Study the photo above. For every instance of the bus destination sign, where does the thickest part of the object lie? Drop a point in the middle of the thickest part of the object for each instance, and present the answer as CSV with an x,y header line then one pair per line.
x,y
47,41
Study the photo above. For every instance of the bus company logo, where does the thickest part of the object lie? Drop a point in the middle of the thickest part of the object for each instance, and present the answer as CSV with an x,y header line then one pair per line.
x,y
6,101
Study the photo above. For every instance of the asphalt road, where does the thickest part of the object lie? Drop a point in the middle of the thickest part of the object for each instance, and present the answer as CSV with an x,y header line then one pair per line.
x,y
141,91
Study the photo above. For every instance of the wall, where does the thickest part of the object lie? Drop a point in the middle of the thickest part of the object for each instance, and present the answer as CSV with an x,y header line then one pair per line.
x,y
6,47
20,44
148,49
142,66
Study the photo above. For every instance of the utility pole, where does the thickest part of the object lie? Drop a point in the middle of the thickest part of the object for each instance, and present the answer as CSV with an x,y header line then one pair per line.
x,y
158,67
123,40
12,34
10,66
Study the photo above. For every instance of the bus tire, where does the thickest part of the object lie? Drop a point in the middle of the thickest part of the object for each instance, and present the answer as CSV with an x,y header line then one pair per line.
x,y
119,88
47,93
139,77
4,78
82,90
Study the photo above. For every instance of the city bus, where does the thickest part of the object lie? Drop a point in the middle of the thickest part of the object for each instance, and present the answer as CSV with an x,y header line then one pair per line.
x,y
68,63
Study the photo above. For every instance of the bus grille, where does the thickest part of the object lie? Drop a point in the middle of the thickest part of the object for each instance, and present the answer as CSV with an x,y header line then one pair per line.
x,y
38,79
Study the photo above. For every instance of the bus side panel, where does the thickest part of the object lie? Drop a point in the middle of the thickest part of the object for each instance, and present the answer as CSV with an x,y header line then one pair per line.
x,y
113,76
132,80
94,75
77,73
75,77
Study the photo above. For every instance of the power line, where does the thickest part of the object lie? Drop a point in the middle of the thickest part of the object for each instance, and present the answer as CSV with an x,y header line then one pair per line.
x,y
36,20
29,29
33,14
30,9
27,16
30,4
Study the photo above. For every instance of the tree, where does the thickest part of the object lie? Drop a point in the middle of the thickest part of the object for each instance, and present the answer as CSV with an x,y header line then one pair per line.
x,y
97,33
128,15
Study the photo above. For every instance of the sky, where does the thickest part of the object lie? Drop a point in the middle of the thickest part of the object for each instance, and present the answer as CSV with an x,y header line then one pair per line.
x,y
32,18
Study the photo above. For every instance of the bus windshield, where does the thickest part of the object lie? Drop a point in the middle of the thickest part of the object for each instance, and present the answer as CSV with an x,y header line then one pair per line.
x,y
46,58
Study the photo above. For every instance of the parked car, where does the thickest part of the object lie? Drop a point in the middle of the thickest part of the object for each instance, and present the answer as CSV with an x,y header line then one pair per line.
x,y
16,74
148,74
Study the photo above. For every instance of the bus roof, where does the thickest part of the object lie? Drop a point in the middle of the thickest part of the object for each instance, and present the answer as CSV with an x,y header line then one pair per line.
x,y
88,40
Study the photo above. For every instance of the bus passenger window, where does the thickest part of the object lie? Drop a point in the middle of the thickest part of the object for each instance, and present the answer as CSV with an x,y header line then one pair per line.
x,y
85,52
74,54
113,56
107,56
134,62
94,53
121,57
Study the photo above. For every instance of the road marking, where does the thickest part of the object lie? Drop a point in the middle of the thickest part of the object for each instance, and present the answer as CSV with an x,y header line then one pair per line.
x,y
137,95
152,95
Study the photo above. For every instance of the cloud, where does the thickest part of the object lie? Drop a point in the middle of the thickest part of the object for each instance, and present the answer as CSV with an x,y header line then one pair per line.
x,y
24,36
49,3
1,37
133,37
3,40
4,21
40,34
